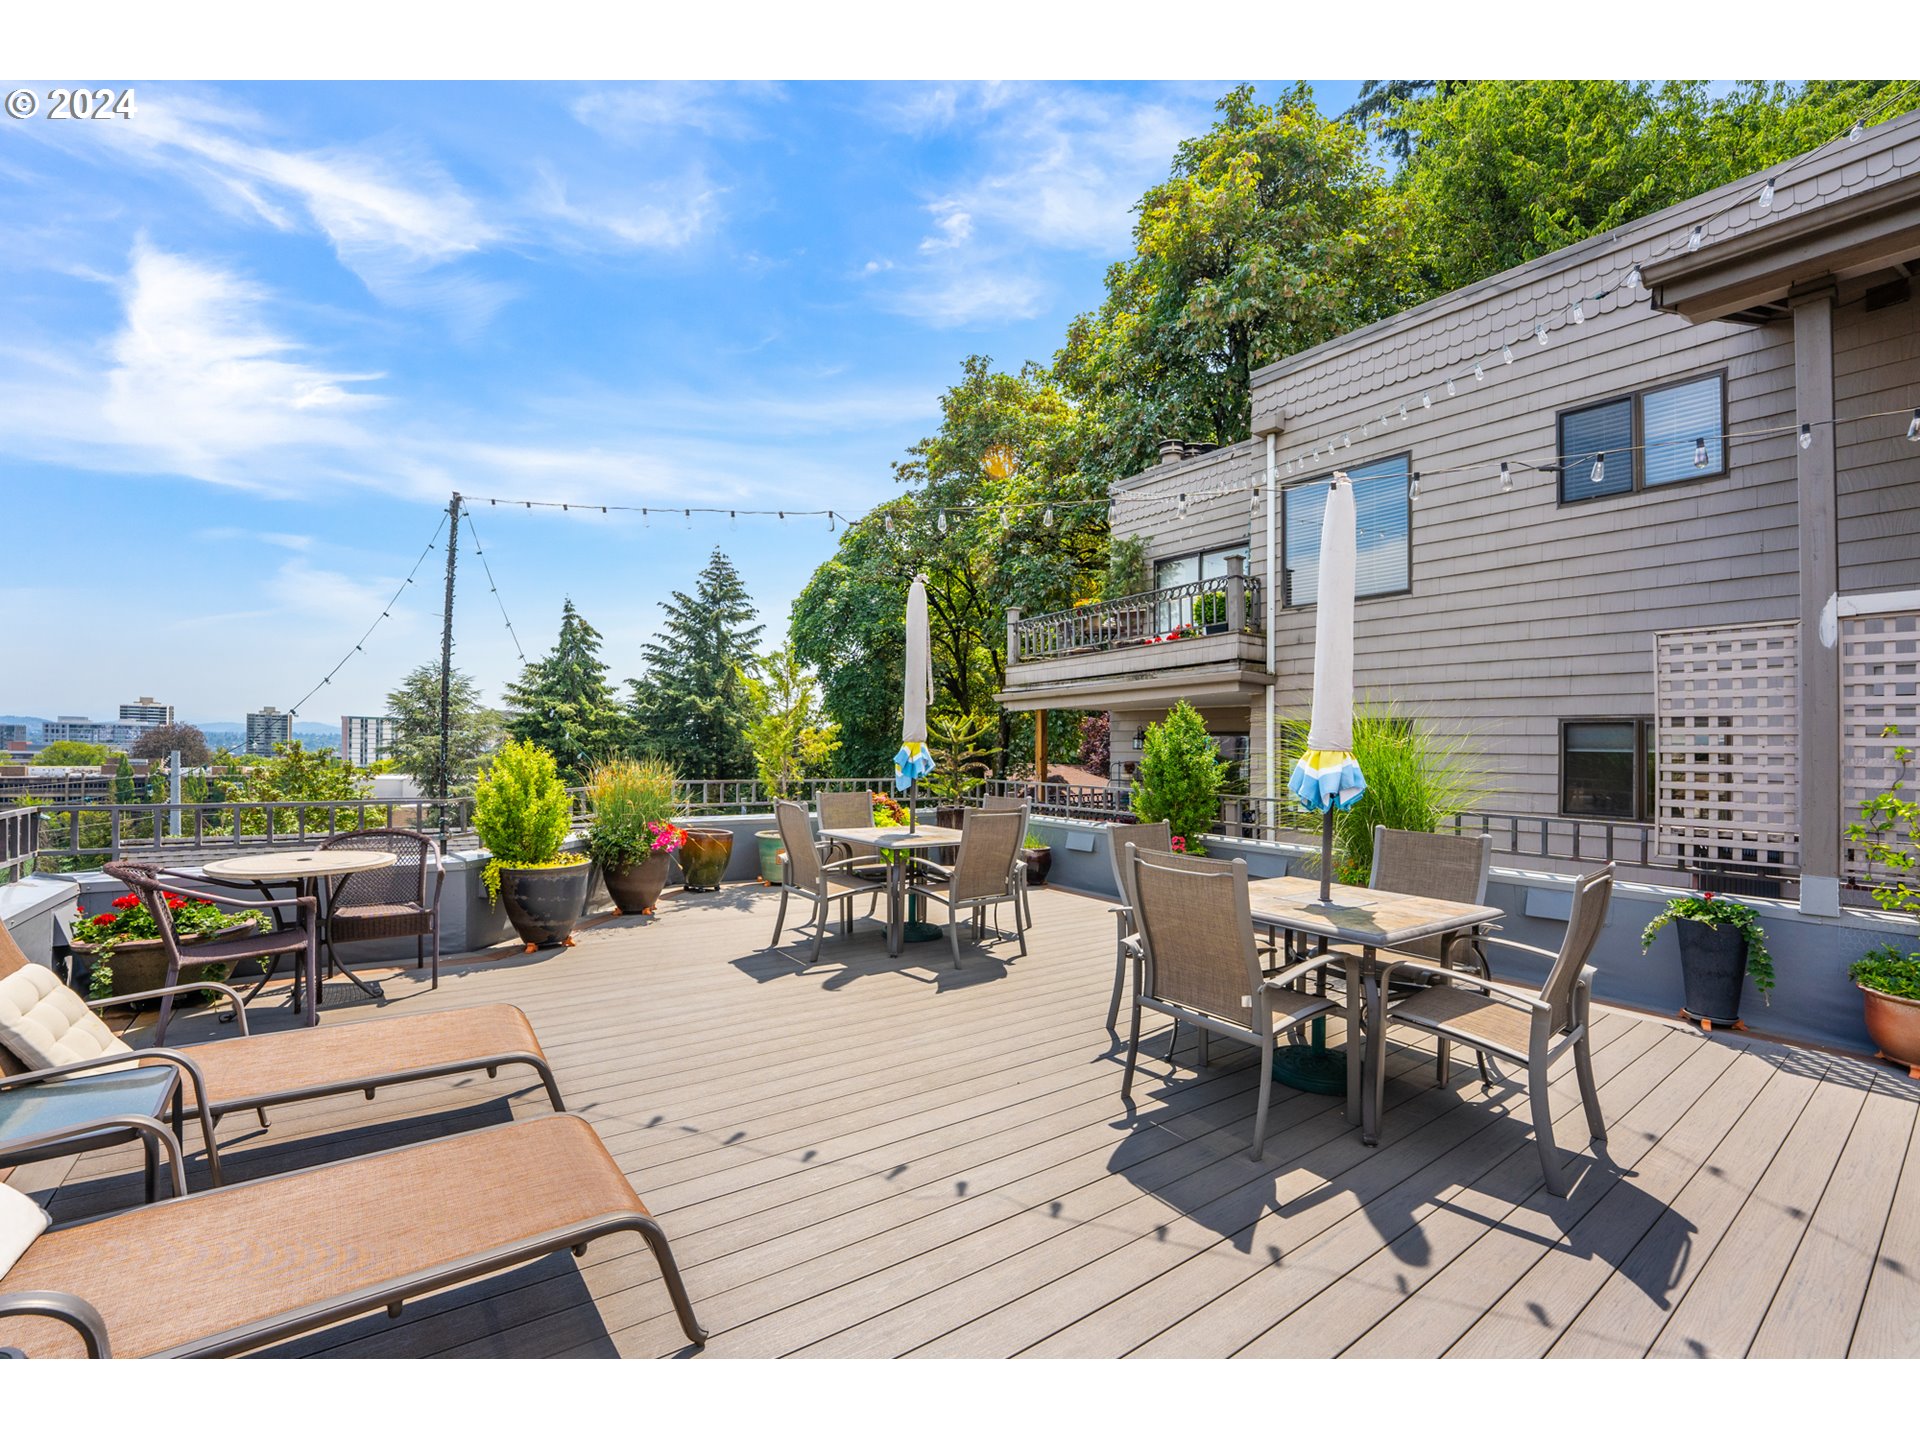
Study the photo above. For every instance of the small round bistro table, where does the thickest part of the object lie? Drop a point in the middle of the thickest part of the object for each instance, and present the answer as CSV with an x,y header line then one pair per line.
x,y
304,869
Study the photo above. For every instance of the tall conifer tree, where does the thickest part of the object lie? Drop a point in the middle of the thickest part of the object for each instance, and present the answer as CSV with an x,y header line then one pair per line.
x,y
562,701
690,706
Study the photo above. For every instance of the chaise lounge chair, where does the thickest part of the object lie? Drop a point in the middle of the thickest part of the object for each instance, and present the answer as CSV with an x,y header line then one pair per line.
x,y
231,1270
48,1033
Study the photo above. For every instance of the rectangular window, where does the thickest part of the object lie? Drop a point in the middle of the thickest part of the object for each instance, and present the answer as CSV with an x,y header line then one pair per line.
x,y
1635,442
1183,570
1605,768
1383,517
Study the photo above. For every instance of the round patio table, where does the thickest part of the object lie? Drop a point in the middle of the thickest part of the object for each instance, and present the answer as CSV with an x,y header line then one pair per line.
x,y
304,869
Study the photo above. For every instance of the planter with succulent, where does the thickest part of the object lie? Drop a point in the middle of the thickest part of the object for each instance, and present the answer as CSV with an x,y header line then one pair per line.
x,y
522,813
632,836
128,955
1889,981
1037,856
1721,946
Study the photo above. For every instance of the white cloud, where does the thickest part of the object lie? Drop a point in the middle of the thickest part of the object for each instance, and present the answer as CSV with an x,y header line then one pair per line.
x,y
638,112
662,216
953,227
970,295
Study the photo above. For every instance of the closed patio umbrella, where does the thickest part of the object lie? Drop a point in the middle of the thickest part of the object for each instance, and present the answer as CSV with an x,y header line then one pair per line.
x,y
1326,777
913,759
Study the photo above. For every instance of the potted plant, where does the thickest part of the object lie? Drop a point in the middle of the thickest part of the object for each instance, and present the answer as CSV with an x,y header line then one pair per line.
x,y
1179,777
522,813
128,955
1210,612
1890,987
1721,944
632,836
959,763
1037,856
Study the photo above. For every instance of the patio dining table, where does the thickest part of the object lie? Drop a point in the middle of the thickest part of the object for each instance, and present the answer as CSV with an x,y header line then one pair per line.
x,y
1366,921
305,869
896,844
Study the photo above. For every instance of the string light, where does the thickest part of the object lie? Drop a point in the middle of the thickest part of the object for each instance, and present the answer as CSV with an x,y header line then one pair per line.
x,y
1599,476
1632,282
1540,332
1183,504
1047,518
941,523
1451,392
1579,313
1506,354
1857,131
1413,487
1700,453
1403,409
733,519
1426,401
1693,240
1766,195
386,613
1806,436
1913,426
889,521
512,634
1479,375
1506,478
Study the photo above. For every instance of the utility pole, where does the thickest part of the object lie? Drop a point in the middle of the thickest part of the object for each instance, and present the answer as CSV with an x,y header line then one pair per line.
x,y
446,664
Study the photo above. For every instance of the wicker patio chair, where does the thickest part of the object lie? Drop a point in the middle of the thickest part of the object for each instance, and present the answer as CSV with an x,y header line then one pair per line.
x,y
982,873
1201,963
253,1072
227,1271
1529,1027
1156,838
299,939
391,903
813,877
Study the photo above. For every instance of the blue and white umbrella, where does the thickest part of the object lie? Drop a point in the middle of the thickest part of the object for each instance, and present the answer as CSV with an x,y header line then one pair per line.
x,y
1326,777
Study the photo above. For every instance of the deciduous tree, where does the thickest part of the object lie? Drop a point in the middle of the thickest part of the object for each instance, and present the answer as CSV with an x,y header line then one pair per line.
x,y
162,740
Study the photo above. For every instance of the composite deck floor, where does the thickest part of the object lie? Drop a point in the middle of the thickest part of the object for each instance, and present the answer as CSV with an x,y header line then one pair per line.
x,y
877,1157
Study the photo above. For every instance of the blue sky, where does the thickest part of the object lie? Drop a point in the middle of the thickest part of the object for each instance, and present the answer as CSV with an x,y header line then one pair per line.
x,y
257,333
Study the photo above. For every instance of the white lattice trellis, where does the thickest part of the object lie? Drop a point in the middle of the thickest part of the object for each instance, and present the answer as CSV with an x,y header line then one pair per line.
x,y
1727,764
1879,688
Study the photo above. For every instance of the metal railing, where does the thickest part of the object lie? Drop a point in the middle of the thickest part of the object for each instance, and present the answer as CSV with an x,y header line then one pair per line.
x,y
19,843
1178,612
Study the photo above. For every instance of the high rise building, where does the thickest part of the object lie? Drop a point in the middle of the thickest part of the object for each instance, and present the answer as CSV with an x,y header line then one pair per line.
x,y
115,734
12,735
267,727
147,711
367,739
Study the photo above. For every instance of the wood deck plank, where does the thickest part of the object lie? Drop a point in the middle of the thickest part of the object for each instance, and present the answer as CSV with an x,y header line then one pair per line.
x,y
1889,1323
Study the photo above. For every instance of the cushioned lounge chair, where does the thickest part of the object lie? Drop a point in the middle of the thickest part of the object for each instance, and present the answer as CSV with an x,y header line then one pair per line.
x,y
47,1033
231,1270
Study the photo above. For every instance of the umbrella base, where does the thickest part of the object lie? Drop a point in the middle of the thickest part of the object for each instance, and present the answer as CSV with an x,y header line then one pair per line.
x,y
1312,1068
916,932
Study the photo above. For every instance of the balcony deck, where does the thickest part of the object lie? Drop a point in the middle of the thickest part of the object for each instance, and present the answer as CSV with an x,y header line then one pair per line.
x,y
877,1158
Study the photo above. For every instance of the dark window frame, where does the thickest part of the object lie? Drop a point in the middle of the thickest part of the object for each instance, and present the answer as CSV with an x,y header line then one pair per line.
x,y
1645,762
1286,600
1637,416
1199,557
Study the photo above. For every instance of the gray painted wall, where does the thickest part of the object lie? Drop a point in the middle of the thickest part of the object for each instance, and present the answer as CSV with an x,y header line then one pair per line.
x,y
1813,1000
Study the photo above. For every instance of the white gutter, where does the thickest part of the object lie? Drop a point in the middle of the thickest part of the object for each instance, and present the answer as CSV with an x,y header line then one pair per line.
x,y
1268,606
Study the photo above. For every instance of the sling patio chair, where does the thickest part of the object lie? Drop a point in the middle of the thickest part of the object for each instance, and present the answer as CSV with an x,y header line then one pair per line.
x,y
300,937
981,874
226,1271
851,810
816,879
1156,838
1529,1027
1202,963
1016,802
397,902
47,1033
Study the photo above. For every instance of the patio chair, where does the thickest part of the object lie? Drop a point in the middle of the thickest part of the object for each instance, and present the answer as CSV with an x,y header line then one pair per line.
x,y
226,1271
851,810
1158,839
1529,1027
1201,963
812,876
388,904
1011,803
982,873
47,1033
300,938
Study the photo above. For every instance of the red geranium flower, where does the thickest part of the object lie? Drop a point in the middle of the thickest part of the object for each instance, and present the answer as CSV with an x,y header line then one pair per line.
x,y
104,920
174,902
126,902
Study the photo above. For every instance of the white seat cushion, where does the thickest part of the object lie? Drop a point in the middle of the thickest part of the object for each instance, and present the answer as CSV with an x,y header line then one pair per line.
x,y
43,1023
21,1222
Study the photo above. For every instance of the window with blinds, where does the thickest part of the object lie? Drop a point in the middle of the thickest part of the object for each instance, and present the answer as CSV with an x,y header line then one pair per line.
x,y
1383,516
1635,442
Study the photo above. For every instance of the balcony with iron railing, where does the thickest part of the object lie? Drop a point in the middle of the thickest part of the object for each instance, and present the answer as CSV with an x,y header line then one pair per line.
x,y
1203,641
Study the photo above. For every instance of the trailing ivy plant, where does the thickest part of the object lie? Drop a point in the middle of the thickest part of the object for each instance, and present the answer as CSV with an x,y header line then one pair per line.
x,y
1713,912
522,812
1180,777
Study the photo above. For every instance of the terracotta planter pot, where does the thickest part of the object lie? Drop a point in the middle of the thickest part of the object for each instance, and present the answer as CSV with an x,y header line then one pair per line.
x,y
636,887
1039,863
544,905
1713,966
1893,1024
704,858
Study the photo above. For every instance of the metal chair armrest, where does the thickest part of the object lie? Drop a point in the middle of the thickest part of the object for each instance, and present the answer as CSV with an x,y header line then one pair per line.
x,y
1284,979
1530,949
58,1305
1530,999
139,1124
239,1006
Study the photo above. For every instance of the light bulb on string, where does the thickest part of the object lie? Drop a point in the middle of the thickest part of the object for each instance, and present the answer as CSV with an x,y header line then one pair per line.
x,y
1806,435
646,519
1579,312
1913,426
1693,240
1700,453
1632,282
1506,354
1426,401
1366,431
1599,476
1403,409
1046,517
1181,508
1451,391
733,519
1413,487
886,520
1347,440
1506,478
1765,202
831,521
687,516
1857,131
1540,332
940,522
1479,375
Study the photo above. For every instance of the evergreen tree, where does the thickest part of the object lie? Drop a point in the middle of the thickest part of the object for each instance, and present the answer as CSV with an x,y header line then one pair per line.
x,y
691,706
562,703
473,730
123,790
